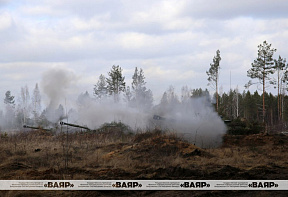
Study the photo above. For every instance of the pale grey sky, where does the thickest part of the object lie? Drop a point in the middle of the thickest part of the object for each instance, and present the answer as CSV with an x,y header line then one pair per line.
x,y
173,41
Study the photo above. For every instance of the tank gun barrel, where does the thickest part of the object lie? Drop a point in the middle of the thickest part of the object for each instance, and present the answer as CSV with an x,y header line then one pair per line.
x,y
30,127
74,125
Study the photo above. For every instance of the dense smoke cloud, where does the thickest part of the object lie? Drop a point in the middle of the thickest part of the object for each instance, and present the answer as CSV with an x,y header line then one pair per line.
x,y
56,85
95,113
193,118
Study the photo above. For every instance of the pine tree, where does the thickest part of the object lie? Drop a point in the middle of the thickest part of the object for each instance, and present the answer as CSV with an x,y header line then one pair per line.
x,y
185,94
36,102
235,103
262,67
148,100
163,106
25,98
138,80
213,75
280,66
172,96
128,96
9,99
115,82
200,93
142,98
10,105
250,106
84,99
164,99
100,89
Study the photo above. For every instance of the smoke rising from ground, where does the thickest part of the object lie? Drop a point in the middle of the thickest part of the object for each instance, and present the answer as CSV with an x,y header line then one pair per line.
x,y
194,118
56,84
94,114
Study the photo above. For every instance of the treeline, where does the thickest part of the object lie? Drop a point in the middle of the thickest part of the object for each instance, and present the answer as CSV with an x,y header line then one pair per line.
x,y
138,96
111,90
265,108
249,106
232,105
262,68
24,109
27,109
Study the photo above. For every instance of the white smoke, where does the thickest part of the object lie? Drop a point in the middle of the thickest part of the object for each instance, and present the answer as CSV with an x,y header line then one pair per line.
x,y
57,84
95,113
195,118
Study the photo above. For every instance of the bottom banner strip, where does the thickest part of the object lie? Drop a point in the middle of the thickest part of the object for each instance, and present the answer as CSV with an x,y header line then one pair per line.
x,y
143,185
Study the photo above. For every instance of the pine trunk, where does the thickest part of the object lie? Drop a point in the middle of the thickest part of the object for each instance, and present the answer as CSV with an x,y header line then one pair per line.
x,y
264,112
217,92
278,99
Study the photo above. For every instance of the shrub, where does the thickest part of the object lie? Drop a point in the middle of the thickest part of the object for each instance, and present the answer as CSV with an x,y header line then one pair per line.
x,y
244,127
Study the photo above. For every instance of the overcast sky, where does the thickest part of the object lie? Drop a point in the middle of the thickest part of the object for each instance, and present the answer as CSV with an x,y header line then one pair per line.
x,y
173,41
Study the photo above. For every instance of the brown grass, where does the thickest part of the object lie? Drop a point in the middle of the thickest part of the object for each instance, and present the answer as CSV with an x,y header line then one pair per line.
x,y
151,155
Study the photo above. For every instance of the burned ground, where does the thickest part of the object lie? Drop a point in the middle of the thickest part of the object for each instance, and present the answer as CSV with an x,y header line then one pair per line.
x,y
150,155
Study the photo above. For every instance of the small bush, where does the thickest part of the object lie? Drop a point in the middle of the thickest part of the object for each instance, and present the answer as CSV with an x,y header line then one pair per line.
x,y
115,127
244,127
4,135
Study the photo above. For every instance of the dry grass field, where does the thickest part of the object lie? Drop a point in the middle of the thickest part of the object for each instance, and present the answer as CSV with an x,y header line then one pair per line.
x,y
38,155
